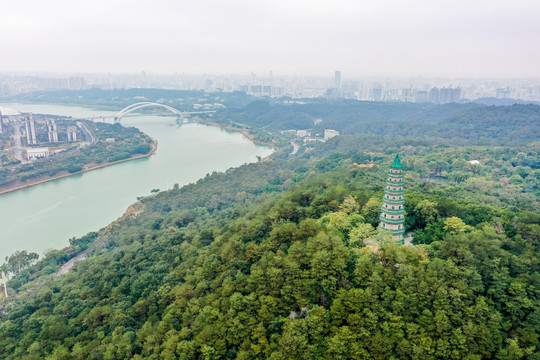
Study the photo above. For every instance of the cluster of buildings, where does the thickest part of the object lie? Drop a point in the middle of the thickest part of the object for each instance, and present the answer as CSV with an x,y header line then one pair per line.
x,y
19,84
50,127
413,89
29,135
444,95
206,106
305,135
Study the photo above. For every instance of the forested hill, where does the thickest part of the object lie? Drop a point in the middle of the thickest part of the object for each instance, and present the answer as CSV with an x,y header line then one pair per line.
x,y
485,124
513,124
119,98
281,259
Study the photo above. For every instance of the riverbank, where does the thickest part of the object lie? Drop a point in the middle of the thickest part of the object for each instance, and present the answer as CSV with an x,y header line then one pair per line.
x,y
89,167
244,132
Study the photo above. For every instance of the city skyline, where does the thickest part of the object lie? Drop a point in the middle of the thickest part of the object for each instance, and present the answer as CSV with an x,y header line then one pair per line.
x,y
414,89
392,38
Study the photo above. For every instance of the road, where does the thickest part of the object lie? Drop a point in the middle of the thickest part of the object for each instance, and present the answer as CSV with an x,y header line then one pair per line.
x,y
18,148
89,136
67,266
295,147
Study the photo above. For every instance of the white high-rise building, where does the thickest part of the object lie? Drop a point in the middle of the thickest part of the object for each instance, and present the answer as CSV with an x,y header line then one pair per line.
x,y
52,131
72,133
30,128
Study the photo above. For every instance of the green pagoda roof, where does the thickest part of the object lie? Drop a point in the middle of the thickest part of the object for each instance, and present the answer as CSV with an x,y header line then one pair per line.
x,y
397,163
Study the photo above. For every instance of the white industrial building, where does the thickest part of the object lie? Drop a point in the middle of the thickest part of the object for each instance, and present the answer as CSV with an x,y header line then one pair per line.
x,y
35,153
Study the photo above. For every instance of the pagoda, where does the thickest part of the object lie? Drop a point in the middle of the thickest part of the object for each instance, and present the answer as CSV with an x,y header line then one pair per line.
x,y
393,209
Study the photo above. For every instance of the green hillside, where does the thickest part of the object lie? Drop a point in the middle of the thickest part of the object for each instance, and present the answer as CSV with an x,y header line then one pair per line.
x,y
282,260
483,124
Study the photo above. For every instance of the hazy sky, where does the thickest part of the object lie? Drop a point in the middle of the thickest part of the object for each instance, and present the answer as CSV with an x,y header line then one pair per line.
x,y
361,37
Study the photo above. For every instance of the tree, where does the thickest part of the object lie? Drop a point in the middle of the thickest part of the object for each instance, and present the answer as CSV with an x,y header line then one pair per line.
x,y
19,261
455,225
372,210
426,212
383,237
359,234
350,205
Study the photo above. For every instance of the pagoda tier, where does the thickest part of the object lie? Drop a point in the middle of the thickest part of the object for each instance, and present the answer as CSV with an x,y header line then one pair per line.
x,y
393,208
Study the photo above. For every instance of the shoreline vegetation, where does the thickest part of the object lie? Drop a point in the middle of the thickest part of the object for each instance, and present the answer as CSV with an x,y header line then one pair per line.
x,y
20,185
244,132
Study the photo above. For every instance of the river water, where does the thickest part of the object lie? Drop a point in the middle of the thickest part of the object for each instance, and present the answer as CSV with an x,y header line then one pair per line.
x,y
45,216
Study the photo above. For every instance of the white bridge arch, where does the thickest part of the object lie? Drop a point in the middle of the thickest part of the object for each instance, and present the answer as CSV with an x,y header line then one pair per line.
x,y
140,105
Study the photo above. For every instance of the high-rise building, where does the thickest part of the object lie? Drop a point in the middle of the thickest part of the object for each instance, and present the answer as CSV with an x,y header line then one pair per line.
x,y
30,128
52,131
408,95
255,90
434,96
444,95
422,96
376,94
267,90
337,78
277,91
72,133
449,95
393,208
1,123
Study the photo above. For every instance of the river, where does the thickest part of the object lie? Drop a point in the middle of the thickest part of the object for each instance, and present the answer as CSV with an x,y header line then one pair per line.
x,y
46,216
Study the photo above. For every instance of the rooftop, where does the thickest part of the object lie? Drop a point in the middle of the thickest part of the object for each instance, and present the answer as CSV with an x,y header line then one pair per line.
x,y
397,163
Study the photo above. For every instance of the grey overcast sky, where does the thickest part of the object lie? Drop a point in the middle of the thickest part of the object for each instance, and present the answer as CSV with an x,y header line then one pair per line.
x,y
473,38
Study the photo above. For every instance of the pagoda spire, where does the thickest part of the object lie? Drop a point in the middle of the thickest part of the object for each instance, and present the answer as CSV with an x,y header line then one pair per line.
x,y
393,208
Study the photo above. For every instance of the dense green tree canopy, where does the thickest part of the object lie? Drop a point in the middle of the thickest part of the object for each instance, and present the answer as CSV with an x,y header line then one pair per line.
x,y
281,259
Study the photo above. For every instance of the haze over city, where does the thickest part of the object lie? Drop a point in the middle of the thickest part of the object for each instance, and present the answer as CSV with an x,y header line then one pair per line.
x,y
282,179
386,38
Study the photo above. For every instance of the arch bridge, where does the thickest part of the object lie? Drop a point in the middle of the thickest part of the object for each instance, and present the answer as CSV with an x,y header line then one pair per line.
x,y
140,105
